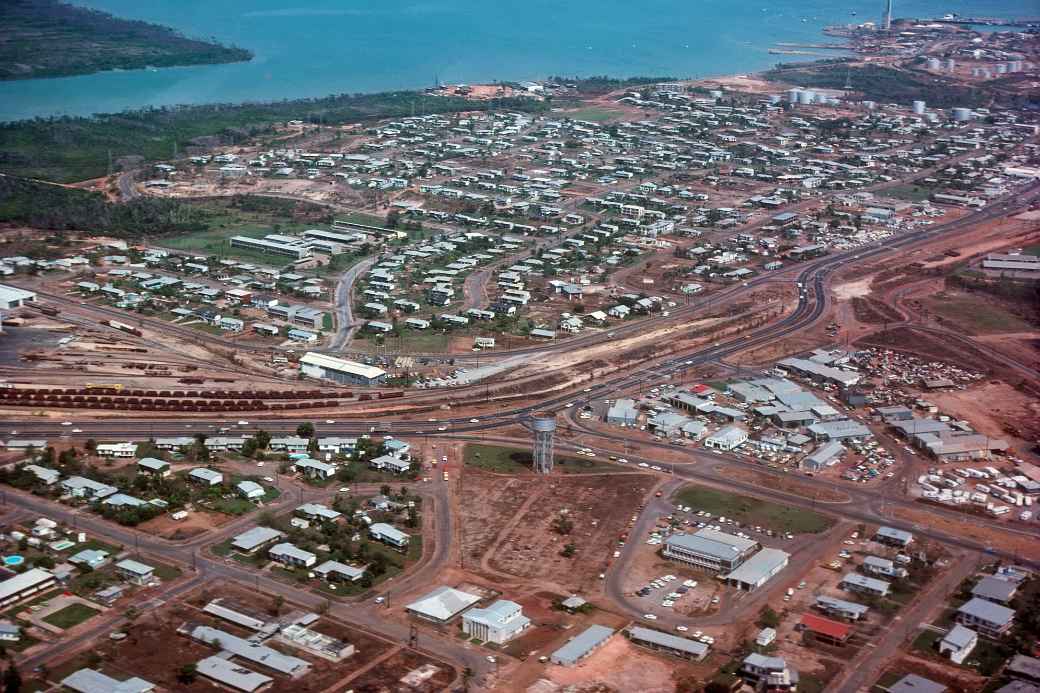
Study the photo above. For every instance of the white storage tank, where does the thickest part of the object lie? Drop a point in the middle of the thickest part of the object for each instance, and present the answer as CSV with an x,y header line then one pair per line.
x,y
962,115
919,107
806,97
793,95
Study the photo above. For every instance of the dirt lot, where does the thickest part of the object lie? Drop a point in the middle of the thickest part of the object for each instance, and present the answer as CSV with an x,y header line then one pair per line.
x,y
1023,545
957,679
621,666
194,524
404,665
511,528
995,409
789,484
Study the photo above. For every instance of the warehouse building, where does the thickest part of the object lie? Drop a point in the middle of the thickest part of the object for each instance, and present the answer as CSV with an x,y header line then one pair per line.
x,y
442,604
666,642
339,370
12,297
710,550
757,570
581,646
274,244
232,676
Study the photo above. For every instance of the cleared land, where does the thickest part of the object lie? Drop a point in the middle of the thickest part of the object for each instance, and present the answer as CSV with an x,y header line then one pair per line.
x,y
502,460
753,511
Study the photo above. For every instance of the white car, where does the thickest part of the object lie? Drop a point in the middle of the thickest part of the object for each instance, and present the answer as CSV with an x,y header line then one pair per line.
x,y
715,600
344,489
650,617
568,405
329,421
474,420
66,423
682,629
243,423
259,464
622,460
442,428
77,430
491,659
268,479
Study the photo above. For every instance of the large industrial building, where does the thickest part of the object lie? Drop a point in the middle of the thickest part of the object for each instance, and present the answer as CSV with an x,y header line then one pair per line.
x,y
756,571
325,367
710,550
290,246
13,297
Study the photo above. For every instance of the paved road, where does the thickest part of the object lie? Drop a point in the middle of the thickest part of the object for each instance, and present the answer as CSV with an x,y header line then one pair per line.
x,y
883,648
344,304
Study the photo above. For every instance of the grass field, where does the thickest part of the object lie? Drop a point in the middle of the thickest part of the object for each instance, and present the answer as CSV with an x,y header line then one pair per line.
x,y
977,314
594,114
747,510
71,615
907,192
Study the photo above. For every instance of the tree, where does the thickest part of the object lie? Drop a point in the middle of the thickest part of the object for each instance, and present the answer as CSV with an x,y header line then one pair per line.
x,y
12,680
249,448
263,439
385,490
187,673
279,602
768,618
366,579
569,550
305,430
563,524
90,445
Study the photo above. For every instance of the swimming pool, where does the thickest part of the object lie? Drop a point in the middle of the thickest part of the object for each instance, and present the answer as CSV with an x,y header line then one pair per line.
x,y
13,560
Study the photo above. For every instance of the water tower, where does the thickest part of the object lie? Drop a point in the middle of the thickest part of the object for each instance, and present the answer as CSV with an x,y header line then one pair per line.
x,y
544,426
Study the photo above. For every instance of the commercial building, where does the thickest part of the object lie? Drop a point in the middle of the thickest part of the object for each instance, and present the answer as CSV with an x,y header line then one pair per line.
x,y
992,620
726,438
581,646
339,370
666,642
839,430
12,297
710,550
117,449
757,570
93,681
24,585
623,413
500,622
442,604
274,244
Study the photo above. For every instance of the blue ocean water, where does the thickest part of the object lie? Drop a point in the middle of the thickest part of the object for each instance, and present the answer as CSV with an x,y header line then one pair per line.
x,y
309,48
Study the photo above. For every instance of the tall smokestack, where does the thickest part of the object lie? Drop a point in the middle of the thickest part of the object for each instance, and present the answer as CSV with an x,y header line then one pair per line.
x,y
888,16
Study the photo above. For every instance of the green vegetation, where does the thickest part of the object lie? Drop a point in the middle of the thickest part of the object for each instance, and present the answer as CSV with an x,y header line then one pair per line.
x,y
753,511
880,83
497,459
47,206
595,114
48,38
71,148
71,615
908,192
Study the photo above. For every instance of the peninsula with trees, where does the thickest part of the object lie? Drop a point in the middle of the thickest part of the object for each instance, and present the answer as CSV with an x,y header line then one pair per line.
x,y
49,38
